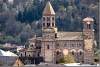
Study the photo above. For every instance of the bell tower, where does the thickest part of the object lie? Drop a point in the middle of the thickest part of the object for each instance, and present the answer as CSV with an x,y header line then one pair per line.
x,y
88,33
48,16
49,33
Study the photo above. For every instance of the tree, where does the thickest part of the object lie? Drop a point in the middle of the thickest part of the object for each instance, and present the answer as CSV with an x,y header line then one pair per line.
x,y
12,27
1,63
67,59
8,39
97,56
26,33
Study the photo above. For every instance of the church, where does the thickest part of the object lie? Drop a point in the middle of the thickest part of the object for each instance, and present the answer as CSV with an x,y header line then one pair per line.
x,y
54,44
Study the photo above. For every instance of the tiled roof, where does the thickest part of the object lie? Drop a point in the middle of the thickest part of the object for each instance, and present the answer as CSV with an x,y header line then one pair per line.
x,y
87,19
48,10
69,36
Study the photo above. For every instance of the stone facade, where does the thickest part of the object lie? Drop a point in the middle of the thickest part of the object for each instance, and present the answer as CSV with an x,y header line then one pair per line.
x,y
53,43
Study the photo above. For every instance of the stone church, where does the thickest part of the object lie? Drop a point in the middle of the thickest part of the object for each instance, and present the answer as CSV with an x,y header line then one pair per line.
x,y
53,43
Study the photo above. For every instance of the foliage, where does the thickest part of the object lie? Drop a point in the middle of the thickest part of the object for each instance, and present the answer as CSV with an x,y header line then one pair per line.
x,y
15,18
1,63
9,39
67,59
97,56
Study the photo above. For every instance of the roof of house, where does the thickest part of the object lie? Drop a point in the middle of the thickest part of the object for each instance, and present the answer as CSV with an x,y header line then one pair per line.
x,y
6,53
69,36
18,63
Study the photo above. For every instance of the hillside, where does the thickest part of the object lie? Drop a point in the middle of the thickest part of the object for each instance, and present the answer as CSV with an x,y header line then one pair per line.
x,y
20,20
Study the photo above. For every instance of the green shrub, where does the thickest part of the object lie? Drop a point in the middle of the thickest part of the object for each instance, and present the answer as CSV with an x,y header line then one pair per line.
x,y
67,59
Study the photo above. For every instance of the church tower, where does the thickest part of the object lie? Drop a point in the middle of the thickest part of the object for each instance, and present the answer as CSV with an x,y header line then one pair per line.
x,y
49,33
88,33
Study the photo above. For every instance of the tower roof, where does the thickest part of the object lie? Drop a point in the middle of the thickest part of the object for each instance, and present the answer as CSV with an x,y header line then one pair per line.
x,y
88,19
48,10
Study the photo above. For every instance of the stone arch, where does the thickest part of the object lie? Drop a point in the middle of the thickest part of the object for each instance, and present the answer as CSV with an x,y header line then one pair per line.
x,y
73,51
80,52
58,53
58,50
65,51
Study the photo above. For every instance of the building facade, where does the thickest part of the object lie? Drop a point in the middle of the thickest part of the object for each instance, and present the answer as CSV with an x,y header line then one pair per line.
x,y
53,43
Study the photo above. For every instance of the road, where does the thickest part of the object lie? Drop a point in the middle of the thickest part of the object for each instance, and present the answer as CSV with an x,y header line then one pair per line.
x,y
58,65
53,65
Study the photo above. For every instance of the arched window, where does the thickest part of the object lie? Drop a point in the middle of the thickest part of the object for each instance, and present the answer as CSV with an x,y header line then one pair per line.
x,y
29,55
73,52
72,45
25,53
53,24
53,18
57,52
31,45
48,24
79,45
48,47
80,53
43,24
57,45
43,18
89,26
55,35
48,18
65,45
21,54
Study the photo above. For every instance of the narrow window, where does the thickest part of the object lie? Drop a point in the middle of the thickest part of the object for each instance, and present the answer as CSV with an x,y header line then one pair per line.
x,y
43,24
64,45
72,52
48,24
55,35
58,53
79,45
48,18
21,54
72,45
53,24
80,53
53,18
48,47
89,26
25,53
31,45
43,18
57,45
